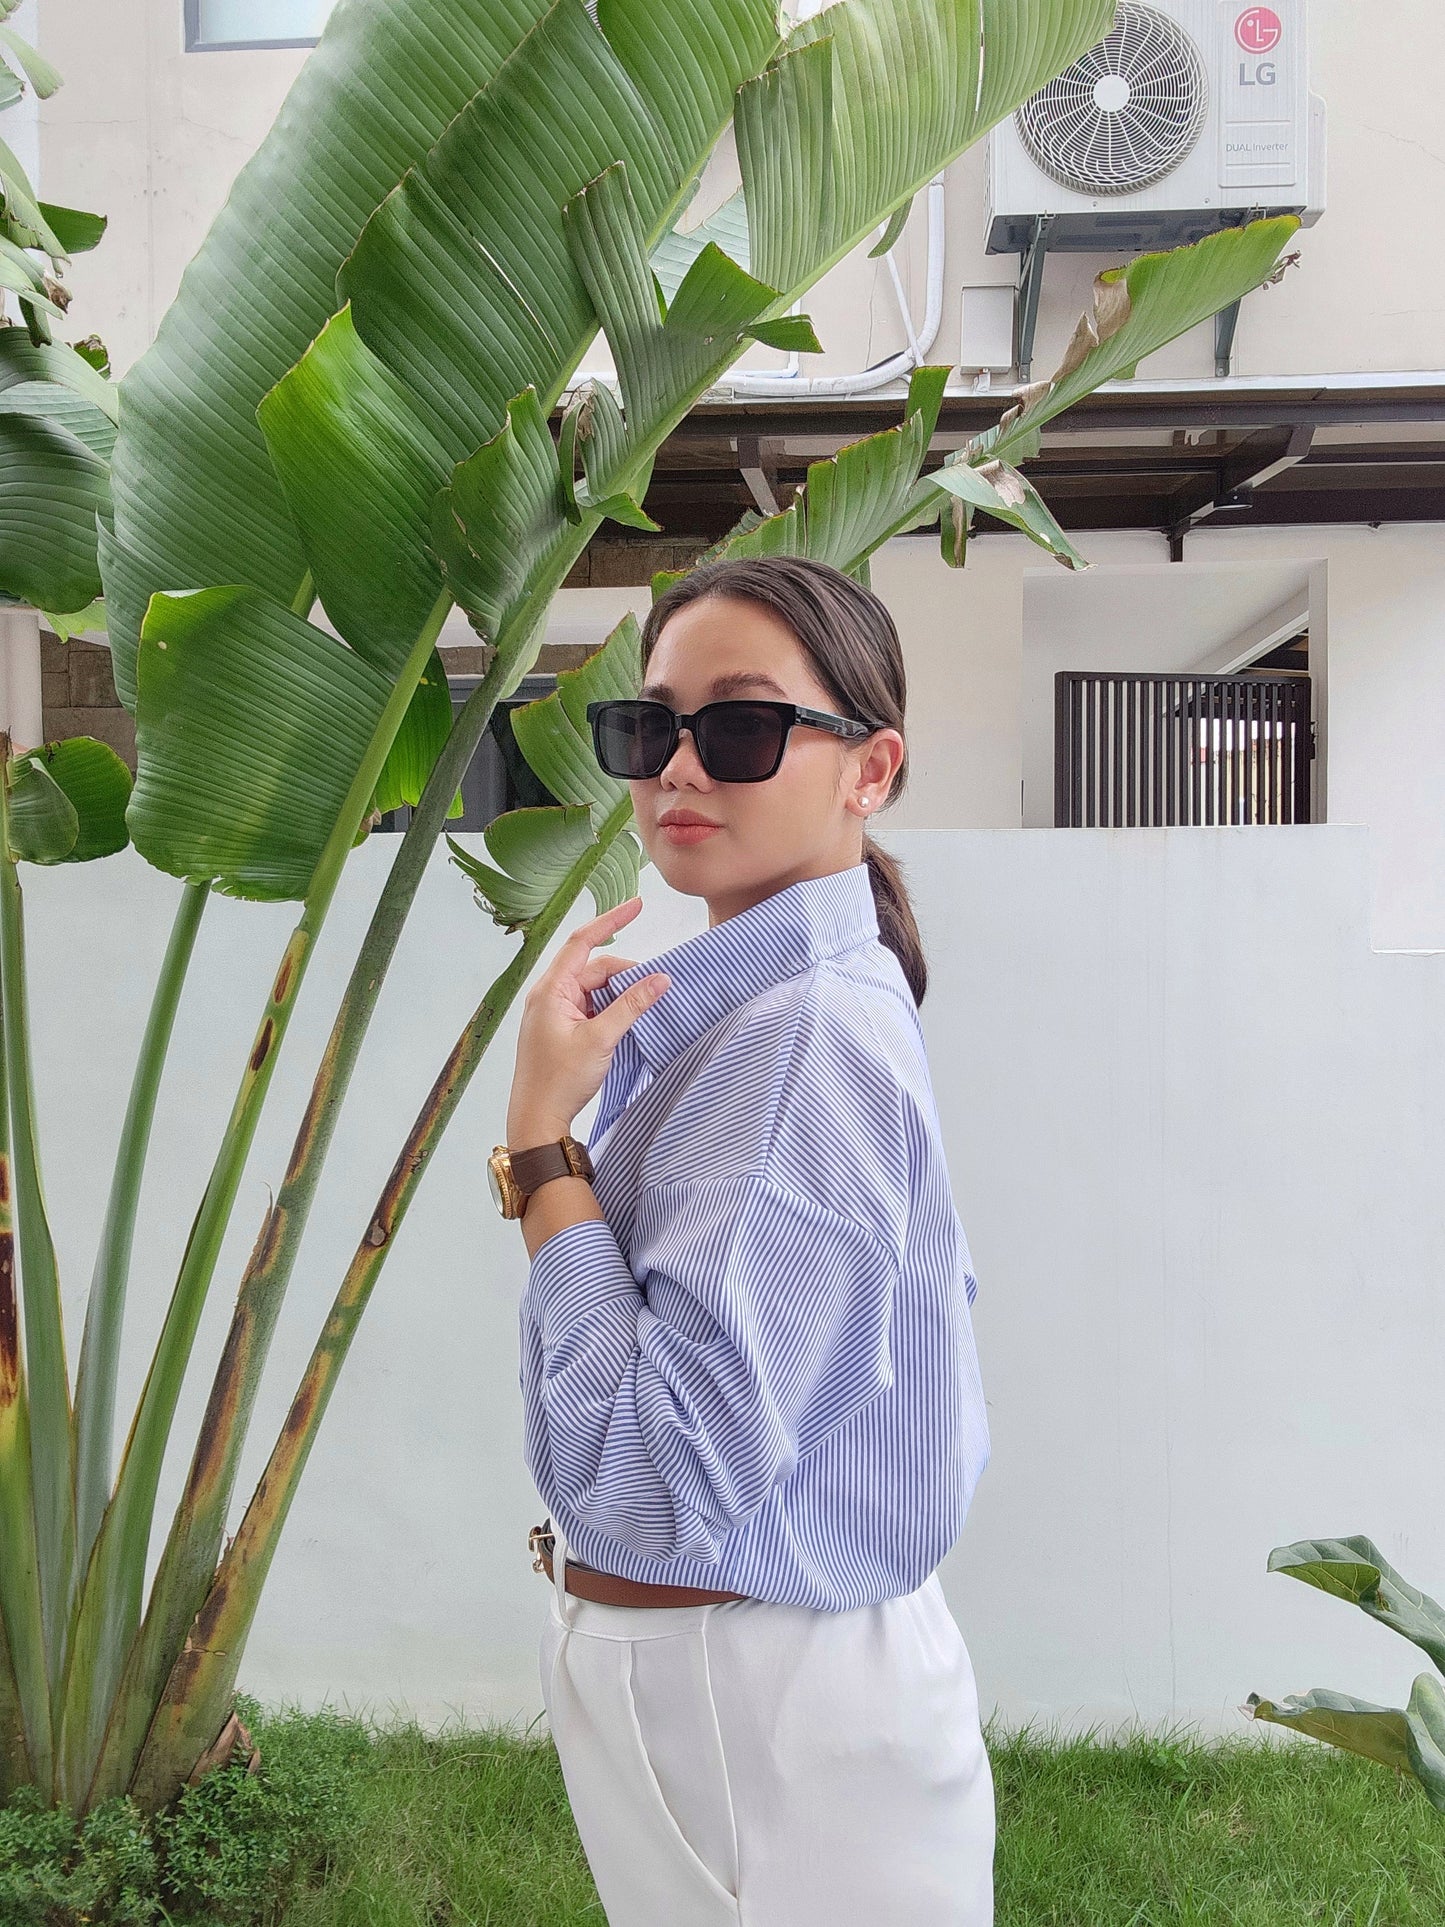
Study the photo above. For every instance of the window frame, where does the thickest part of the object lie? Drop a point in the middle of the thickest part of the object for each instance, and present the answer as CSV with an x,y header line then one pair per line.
x,y
194,44
461,683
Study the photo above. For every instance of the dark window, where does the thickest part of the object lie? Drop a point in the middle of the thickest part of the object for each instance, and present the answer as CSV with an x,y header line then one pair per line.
x,y
1134,749
499,778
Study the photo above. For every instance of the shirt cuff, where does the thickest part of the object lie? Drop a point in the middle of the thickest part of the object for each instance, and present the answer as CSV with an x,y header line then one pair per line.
x,y
576,1270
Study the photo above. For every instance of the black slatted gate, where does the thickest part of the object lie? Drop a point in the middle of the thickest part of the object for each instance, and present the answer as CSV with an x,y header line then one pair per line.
x,y
1133,750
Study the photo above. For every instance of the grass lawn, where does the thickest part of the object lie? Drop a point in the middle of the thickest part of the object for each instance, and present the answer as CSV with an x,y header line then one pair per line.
x,y
472,1829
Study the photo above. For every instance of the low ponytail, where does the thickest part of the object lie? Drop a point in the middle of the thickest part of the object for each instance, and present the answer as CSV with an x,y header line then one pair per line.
x,y
897,925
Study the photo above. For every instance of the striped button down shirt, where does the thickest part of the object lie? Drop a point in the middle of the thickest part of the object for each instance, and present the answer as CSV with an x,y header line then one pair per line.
x,y
757,1372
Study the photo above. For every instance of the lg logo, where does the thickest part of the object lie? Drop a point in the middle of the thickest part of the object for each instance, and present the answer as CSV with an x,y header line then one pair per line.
x,y
1259,30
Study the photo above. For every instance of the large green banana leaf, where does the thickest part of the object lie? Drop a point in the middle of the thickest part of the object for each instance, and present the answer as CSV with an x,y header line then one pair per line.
x,y
463,286
543,857
197,501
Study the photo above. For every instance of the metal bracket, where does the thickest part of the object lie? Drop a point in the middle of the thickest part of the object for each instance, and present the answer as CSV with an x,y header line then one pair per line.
x,y
1235,489
1031,281
752,454
1227,320
1225,323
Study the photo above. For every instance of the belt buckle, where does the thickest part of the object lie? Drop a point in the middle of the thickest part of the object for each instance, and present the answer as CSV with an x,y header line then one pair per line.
x,y
534,1539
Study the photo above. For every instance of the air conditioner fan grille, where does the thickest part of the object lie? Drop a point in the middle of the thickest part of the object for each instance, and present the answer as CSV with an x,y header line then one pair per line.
x,y
1125,113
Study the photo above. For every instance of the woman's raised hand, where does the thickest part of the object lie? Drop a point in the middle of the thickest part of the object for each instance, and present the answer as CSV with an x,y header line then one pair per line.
x,y
562,1050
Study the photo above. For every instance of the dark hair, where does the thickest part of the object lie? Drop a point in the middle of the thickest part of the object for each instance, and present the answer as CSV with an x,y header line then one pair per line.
x,y
853,647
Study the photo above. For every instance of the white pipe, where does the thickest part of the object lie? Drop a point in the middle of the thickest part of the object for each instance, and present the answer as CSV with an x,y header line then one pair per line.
x,y
786,381
775,383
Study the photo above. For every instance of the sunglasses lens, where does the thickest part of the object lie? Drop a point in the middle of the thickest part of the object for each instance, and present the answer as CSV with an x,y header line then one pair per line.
x,y
740,741
737,742
631,739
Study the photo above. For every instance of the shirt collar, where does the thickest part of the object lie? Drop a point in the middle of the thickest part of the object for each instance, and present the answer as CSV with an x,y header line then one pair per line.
x,y
723,966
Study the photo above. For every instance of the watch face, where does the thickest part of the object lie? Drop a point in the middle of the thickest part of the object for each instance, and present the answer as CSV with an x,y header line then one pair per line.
x,y
497,1199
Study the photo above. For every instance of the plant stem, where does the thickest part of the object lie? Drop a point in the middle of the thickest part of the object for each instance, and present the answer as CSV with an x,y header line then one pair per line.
x,y
28,1754
111,1598
51,1436
204,1677
188,1563
105,1308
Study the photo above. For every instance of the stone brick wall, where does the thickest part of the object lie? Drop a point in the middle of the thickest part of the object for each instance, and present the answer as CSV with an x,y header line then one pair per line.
x,y
77,693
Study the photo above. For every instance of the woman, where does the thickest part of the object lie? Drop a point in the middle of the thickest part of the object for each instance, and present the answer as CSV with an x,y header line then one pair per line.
x,y
752,1399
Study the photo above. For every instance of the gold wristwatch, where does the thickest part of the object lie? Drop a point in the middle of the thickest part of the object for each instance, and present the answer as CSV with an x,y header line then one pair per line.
x,y
515,1175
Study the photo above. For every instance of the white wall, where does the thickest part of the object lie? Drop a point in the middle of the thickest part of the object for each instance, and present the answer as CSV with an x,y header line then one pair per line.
x,y
1379,642
153,136
1195,1130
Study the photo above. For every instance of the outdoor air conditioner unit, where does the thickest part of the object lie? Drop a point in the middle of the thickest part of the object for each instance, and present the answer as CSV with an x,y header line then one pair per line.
x,y
1189,116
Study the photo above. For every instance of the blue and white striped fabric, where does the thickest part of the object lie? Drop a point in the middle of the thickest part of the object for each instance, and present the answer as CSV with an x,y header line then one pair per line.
x,y
758,1374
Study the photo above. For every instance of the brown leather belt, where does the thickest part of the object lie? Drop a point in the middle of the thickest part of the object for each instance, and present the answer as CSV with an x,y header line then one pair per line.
x,y
607,1588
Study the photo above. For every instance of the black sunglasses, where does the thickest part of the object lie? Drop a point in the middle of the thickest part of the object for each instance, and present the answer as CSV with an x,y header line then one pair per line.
x,y
737,742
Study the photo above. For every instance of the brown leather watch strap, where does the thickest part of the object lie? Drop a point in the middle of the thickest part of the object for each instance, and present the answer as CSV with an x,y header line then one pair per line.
x,y
536,1165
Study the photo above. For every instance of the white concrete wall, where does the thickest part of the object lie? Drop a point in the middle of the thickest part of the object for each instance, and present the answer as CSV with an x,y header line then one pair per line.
x,y
1195,1130
153,136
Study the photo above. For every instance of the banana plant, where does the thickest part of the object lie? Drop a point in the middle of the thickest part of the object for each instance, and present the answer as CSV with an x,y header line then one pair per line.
x,y
63,803
30,227
372,430
57,412
1411,1738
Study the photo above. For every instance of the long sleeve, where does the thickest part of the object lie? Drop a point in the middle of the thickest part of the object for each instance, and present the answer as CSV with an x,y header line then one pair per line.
x,y
667,1397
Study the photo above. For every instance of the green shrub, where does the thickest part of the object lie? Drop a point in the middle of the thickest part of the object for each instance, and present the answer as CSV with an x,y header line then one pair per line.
x,y
239,1845
53,1873
230,1852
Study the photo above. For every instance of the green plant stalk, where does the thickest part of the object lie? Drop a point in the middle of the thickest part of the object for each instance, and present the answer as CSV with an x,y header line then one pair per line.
x,y
200,1688
111,1598
51,1436
188,1563
15,1767
105,1307
25,1755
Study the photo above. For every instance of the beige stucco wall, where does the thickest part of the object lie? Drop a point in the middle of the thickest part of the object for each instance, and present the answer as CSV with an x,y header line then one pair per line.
x,y
153,136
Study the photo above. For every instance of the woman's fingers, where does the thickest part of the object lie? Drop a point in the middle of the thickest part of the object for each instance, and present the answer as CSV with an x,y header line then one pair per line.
x,y
598,929
620,1015
597,970
571,969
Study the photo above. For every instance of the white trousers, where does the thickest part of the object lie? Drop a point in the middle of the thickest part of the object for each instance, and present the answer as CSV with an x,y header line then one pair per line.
x,y
749,1764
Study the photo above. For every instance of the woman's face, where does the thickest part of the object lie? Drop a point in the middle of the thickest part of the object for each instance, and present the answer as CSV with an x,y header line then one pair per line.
x,y
808,819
